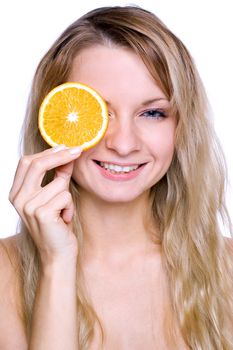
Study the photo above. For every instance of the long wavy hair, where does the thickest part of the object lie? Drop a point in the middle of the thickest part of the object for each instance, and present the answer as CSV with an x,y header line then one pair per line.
x,y
188,203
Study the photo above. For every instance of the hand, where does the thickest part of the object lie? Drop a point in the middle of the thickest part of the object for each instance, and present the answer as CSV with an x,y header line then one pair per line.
x,y
47,211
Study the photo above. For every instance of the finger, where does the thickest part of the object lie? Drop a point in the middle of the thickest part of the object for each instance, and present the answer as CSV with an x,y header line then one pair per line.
x,y
52,211
45,195
65,171
41,199
68,213
48,226
39,166
22,168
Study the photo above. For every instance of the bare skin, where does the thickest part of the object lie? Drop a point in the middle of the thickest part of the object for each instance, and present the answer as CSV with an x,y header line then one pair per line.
x,y
12,335
47,212
129,296
129,299
122,265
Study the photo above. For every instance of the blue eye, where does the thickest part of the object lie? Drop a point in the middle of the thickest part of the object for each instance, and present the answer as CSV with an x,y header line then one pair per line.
x,y
154,114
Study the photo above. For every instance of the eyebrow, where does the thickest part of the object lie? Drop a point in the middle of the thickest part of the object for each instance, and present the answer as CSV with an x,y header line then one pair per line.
x,y
147,102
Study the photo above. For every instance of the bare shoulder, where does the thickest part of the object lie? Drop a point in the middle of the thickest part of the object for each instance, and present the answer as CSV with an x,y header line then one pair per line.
x,y
12,335
8,265
8,259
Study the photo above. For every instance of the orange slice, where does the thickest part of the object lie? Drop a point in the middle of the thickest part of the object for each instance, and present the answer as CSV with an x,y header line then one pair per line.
x,y
73,114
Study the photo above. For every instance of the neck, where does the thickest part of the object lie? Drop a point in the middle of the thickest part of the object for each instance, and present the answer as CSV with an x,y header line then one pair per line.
x,y
114,230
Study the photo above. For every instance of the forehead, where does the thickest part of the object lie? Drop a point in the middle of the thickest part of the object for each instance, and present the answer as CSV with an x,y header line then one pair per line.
x,y
114,71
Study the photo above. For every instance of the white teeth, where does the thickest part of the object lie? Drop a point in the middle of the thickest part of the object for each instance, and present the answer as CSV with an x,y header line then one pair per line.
x,y
118,168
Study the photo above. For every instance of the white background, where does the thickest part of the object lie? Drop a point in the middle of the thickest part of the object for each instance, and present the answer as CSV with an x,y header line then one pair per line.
x,y
28,28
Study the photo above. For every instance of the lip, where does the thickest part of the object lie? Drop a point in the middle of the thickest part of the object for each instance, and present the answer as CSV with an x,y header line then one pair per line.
x,y
120,177
117,163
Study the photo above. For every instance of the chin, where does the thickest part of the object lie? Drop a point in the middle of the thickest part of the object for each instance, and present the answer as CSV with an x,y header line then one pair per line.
x,y
111,194
117,198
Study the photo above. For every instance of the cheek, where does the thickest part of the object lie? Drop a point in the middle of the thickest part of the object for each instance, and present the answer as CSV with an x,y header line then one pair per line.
x,y
79,170
162,142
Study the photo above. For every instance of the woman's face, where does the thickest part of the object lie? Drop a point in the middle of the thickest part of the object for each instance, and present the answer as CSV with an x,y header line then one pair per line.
x,y
140,135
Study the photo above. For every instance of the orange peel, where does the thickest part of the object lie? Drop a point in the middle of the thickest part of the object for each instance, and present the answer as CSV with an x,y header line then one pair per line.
x,y
73,114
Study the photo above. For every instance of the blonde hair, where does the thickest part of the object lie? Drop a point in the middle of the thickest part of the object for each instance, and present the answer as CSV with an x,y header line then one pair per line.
x,y
187,202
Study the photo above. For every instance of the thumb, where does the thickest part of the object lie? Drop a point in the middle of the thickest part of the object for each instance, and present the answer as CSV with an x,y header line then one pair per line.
x,y
65,171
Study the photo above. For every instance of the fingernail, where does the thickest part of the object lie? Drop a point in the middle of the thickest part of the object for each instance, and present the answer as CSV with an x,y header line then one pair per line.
x,y
58,148
75,150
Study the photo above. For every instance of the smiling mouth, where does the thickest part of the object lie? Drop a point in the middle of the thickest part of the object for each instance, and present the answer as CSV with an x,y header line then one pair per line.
x,y
118,169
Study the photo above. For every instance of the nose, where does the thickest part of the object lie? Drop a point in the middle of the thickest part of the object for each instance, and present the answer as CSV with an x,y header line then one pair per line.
x,y
122,136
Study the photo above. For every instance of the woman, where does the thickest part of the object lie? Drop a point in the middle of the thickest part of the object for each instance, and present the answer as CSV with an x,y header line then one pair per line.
x,y
130,257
